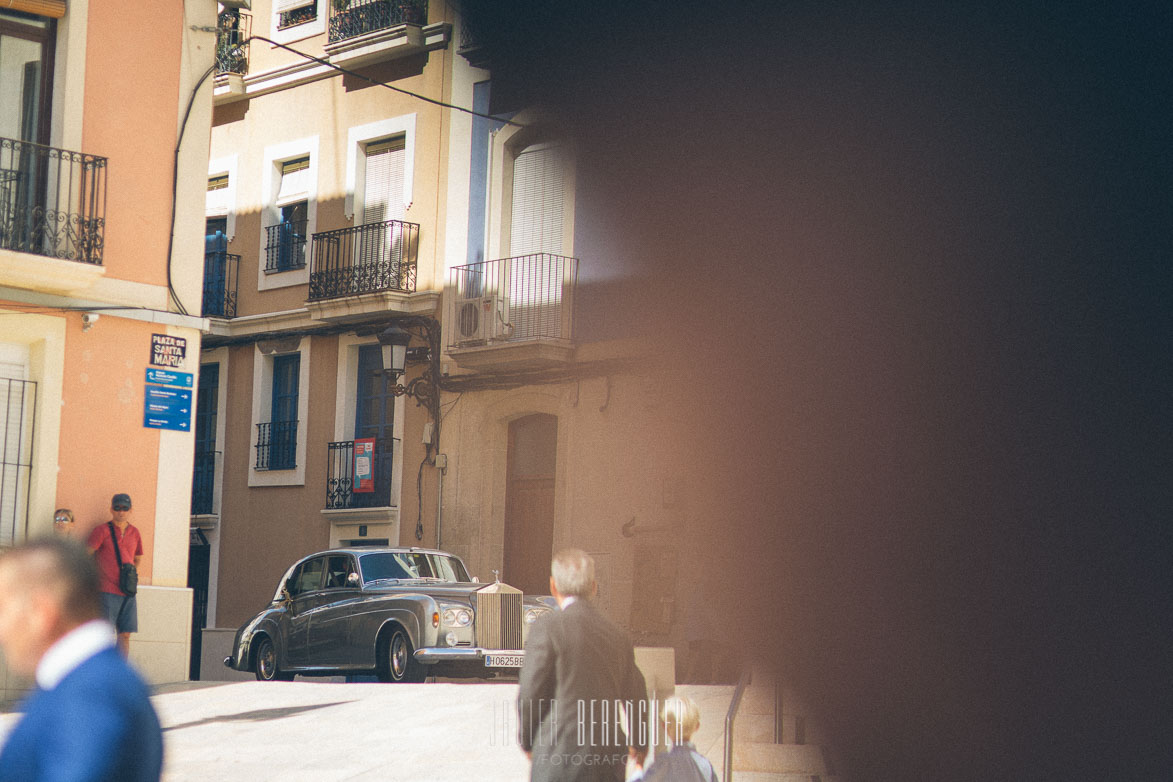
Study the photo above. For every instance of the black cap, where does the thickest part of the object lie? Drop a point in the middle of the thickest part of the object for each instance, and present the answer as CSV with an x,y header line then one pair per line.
x,y
120,499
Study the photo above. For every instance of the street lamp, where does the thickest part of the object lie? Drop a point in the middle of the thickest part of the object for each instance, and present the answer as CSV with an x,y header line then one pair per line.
x,y
393,342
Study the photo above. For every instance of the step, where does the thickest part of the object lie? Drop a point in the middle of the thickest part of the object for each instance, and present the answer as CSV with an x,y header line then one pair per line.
x,y
779,758
770,776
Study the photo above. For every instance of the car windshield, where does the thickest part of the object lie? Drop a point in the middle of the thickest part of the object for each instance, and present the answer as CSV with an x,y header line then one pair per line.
x,y
411,564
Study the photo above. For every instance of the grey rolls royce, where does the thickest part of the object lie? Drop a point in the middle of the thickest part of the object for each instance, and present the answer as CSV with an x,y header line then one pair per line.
x,y
401,613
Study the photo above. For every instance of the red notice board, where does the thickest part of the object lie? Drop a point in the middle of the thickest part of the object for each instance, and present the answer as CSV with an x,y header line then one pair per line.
x,y
364,459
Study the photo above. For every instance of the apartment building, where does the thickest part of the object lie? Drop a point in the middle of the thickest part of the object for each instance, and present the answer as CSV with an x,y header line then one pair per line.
x,y
363,194
101,174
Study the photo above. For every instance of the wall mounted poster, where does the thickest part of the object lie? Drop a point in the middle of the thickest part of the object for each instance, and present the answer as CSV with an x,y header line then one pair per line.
x,y
364,456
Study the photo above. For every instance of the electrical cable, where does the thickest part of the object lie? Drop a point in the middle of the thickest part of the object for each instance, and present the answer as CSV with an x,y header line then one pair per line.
x,y
175,185
369,80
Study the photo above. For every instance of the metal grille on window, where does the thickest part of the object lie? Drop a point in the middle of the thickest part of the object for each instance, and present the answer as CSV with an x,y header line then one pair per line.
x,y
17,414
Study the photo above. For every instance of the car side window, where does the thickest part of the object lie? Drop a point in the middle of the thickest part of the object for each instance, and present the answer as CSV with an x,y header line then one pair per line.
x,y
309,576
338,569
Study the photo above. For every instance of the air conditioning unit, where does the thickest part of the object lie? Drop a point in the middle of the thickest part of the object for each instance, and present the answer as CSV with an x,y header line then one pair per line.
x,y
479,320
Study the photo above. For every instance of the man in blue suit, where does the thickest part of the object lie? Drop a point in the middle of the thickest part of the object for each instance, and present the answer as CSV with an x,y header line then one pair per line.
x,y
89,719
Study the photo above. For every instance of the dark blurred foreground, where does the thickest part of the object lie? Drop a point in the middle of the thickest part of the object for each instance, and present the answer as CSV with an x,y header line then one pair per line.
x,y
911,266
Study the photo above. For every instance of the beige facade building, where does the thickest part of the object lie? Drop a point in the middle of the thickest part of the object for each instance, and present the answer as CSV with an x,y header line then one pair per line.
x,y
358,186
100,275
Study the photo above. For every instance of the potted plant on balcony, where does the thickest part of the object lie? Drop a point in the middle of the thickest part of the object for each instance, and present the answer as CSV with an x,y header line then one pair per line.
x,y
340,5
409,11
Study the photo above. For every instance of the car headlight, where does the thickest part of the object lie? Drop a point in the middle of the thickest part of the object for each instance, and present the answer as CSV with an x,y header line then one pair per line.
x,y
457,617
533,614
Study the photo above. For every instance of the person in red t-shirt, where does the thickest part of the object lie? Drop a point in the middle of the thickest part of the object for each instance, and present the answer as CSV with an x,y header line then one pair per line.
x,y
121,609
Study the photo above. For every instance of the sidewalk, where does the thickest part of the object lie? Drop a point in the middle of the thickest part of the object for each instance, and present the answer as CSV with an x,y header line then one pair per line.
x,y
327,732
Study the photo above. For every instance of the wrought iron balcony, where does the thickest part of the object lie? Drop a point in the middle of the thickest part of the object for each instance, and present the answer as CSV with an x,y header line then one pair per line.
x,y
364,259
341,491
528,297
52,201
277,445
203,482
352,18
234,30
220,279
285,246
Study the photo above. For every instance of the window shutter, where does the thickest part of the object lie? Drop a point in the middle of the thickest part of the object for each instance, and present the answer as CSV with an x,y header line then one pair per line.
x,y
536,225
285,6
295,181
383,186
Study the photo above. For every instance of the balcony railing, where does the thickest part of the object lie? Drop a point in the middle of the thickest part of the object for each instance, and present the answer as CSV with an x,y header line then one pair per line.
x,y
364,259
277,445
512,299
340,488
203,482
220,279
52,201
285,246
352,18
234,30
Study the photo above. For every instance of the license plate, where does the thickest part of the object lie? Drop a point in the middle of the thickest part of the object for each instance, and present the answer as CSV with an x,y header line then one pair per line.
x,y
511,660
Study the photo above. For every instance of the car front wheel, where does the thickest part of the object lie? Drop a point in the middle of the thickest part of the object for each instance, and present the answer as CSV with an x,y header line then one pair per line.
x,y
397,659
266,667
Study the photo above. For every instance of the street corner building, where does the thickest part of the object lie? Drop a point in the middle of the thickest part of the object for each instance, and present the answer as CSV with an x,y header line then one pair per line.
x,y
102,154
410,340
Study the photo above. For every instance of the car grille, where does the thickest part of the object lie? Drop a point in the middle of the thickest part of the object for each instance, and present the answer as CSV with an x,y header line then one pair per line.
x,y
498,620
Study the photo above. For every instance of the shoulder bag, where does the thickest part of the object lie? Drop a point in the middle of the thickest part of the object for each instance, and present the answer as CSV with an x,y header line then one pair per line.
x,y
127,572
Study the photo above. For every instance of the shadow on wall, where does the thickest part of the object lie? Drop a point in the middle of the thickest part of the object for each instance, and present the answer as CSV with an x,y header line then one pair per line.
x,y
921,342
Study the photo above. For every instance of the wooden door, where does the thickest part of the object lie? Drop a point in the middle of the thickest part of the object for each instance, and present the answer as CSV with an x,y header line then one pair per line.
x,y
529,503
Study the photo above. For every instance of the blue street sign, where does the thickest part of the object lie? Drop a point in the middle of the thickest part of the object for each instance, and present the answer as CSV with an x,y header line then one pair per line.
x,y
181,424
164,377
167,408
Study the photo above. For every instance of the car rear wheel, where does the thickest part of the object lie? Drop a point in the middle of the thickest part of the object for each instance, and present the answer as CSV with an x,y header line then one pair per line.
x,y
266,665
397,661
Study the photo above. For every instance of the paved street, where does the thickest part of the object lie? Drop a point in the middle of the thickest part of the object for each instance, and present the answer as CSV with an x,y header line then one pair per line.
x,y
329,731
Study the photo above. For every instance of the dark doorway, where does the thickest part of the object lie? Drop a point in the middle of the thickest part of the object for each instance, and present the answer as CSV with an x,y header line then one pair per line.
x,y
529,502
199,558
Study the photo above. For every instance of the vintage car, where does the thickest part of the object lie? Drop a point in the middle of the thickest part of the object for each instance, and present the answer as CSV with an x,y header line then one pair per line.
x,y
401,613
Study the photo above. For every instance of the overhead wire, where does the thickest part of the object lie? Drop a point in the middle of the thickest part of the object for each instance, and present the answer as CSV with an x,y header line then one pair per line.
x,y
377,83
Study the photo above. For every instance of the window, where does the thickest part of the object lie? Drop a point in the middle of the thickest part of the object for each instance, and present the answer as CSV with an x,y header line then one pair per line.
x,y
220,200
203,480
285,245
288,213
295,12
296,20
538,187
277,443
17,411
25,77
308,577
338,571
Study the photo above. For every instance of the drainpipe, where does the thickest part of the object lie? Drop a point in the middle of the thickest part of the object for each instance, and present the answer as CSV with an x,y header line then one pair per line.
x,y
442,466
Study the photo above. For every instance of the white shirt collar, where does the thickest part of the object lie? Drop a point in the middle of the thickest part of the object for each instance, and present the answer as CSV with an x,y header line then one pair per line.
x,y
566,602
71,650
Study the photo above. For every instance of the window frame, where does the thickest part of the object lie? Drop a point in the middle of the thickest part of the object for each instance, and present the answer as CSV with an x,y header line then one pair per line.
x,y
297,32
275,157
262,408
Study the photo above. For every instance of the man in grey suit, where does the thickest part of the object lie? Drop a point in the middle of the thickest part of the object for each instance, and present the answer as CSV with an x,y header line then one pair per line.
x,y
582,703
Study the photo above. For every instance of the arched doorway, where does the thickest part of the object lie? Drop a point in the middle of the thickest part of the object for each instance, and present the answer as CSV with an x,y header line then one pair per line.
x,y
529,502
